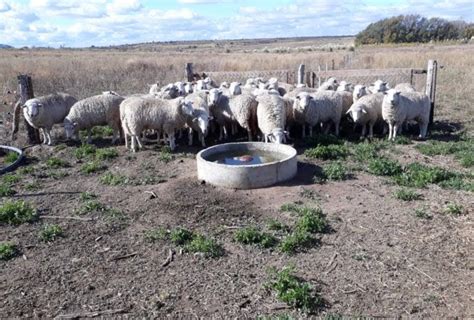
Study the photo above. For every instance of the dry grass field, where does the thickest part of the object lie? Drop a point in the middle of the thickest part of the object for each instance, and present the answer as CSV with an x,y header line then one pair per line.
x,y
370,228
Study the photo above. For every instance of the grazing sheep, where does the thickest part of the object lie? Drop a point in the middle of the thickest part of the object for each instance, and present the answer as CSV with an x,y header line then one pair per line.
x,y
359,92
200,120
367,110
378,86
329,84
103,109
140,113
271,115
398,107
43,112
320,107
240,109
405,87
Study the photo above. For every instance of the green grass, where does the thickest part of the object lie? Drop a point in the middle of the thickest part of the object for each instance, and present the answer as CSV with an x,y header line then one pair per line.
x,y
407,195
253,236
364,151
98,132
181,236
422,213
329,152
11,179
26,170
158,234
55,163
84,196
276,225
335,171
106,154
296,241
165,154
383,167
8,250
457,182
85,151
463,150
92,167
419,176
50,232
111,179
91,206
33,186
403,140
6,190
311,220
453,209
17,212
293,291
207,246
10,157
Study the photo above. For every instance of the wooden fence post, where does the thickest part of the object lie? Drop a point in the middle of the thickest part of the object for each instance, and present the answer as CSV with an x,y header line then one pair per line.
x,y
431,85
25,88
301,74
189,72
332,64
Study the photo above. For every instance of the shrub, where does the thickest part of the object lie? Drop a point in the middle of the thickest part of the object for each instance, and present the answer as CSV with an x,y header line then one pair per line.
x,y
11,179
16,212
113,179
156,234
384,167
85,151
276,225
327,152
54,162
296,241
453,209
92,167
422,213
8,251
419,176
251,235
407,195
50,232
312,220
181,236
87,196
91,206
209,247
6,190
106,154
293,291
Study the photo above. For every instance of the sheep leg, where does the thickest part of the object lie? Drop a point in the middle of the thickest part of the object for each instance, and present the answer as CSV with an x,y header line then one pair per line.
x,y
395,130
390,131
371,129
134,146
172,141
364,131
48,136
423,129
115,134
89,136
43,135
126,140
336,127
190,137
140,145
249,134
327,127
203,139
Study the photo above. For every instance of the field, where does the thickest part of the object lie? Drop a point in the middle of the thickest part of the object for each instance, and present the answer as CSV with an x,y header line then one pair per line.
x,y
369,228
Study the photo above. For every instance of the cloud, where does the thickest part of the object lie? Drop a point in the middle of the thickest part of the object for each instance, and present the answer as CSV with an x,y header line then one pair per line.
x,y
4,6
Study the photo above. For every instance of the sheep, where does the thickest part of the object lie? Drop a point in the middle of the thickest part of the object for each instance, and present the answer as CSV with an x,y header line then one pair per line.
x,y
154,88
320,107
103,109
139,113
239,109
359,92
43,112
200,120
224,85
367,110
405,87
170,91
378,86
271,115
347,100
398,107
235,89
205,84
329,84
188,88
344,86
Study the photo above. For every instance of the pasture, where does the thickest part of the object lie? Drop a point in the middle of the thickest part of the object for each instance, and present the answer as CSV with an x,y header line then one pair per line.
x,y
367,228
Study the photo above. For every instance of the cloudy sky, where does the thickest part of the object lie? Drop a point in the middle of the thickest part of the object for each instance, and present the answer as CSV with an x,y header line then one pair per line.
x,y
82,23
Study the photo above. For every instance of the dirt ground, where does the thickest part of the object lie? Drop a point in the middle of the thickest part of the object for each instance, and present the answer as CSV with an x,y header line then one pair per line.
x,y
379,260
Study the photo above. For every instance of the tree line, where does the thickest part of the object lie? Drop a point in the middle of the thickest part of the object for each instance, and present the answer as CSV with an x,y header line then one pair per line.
x,y
414,28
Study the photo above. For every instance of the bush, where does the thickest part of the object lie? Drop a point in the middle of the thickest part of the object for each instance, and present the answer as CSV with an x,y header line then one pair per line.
x,y
453,209
16,212
106,154
296,241
419,176
50,232
181,236
312,220
85,151
407,195
251,235
54,162
92,167
209,247
335,171
156,234
112,179
6,190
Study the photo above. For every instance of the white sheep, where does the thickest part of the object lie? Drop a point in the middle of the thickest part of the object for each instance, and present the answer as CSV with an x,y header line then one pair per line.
x,y
140,113
344,86
398,107
329,84
359,92
188,88
378,86
271,115
347,100
201,116
239,109
43,112
319,108
103,109
405,87
367,110
235,88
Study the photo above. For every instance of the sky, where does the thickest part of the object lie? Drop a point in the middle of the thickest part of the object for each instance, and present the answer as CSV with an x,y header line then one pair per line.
x,y
83,23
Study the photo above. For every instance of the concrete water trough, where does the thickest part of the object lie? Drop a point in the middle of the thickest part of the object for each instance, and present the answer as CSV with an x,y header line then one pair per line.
x,y
246,165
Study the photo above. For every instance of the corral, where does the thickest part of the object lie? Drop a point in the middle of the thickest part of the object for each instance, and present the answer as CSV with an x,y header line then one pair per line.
x,y
397,236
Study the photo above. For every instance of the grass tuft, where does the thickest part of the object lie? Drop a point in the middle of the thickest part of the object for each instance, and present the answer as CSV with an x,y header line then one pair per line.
x,y
11,157
106,154
422,213
111,179
384,167
181,236
154,235
85,151
253,236
296,241
329,152
407,195
6,190
8,251
55,163
16,212
51,232
419,176
207,246
92,167
335,171
293,291
454,209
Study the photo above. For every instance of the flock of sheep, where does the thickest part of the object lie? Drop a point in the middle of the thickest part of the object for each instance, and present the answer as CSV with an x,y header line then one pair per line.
x,y
267,107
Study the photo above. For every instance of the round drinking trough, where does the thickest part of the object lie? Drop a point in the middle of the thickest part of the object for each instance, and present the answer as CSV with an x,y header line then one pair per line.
x,y
246,165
